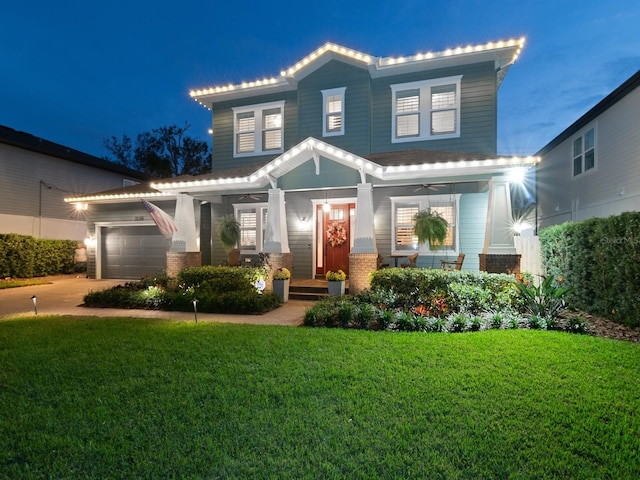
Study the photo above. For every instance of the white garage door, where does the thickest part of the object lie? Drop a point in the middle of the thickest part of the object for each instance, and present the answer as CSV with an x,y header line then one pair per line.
x,y
133,252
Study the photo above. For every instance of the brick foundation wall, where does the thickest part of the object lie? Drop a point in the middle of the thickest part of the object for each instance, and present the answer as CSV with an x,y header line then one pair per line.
x,y
360,266
276,261
176,261
500,263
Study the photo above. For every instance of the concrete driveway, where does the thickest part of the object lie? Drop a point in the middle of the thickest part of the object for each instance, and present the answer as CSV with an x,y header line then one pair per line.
x,y
64,296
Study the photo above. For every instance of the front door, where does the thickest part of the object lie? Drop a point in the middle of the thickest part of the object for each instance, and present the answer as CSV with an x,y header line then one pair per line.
x,y
333,240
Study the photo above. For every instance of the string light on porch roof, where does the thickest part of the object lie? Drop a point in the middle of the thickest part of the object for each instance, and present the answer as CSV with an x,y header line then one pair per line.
x,y
118,196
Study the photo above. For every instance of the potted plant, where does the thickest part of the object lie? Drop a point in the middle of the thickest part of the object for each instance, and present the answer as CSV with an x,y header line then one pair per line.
x,y
336,282
430,227
281,278
229,234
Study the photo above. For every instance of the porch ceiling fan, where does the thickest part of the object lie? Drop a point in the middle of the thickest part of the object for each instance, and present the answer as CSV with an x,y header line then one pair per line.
x,y
429,187
251,196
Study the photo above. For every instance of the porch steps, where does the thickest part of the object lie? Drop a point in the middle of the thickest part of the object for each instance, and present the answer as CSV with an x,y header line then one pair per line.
x,y
312,293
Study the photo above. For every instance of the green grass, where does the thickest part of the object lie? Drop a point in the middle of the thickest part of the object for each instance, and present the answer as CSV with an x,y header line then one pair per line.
x,y
22,283
133,398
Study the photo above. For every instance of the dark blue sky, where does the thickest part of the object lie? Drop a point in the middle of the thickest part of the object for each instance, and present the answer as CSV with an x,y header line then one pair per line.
x,y
78,72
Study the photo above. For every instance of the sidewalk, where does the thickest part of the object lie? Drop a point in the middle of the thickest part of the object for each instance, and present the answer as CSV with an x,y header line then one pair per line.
x,y
64,297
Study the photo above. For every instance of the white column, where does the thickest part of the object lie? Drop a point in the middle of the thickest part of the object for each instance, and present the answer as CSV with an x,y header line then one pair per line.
x,y
364,240
276,238
186,238
498,237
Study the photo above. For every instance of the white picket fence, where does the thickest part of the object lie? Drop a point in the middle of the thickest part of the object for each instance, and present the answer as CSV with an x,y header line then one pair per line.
x,y
529,249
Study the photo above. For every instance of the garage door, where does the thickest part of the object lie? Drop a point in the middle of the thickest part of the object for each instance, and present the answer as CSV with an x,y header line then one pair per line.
x,y
133,252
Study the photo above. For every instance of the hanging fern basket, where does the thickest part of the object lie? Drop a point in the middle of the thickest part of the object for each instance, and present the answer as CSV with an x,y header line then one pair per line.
x,y
430,227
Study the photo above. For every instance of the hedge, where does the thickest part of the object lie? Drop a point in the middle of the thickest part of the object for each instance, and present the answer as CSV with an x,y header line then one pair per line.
x,y
23,256
600,259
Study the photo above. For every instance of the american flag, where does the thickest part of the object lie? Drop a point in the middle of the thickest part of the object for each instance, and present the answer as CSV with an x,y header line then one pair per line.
x,y
164,221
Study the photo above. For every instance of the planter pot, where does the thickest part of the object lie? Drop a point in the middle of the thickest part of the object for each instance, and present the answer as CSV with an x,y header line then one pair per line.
x,y
336,288
281,288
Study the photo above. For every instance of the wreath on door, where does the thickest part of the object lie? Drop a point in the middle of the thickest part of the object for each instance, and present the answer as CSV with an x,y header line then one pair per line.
x,y
336,235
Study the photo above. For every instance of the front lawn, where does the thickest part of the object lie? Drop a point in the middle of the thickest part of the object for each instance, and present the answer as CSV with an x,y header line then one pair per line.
x,y
140,398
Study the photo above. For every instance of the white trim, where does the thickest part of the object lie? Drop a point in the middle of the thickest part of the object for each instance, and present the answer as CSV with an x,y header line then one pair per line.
x,y
257,110
425,110
260,208
325,95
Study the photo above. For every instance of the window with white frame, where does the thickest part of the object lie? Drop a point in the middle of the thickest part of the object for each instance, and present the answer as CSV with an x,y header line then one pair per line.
x,y
333,112
404,210
584,152
258,129
253,223
426,110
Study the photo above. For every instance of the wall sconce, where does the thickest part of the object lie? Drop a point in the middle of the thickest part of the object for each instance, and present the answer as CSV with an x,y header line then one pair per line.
x,y
326,207
81,206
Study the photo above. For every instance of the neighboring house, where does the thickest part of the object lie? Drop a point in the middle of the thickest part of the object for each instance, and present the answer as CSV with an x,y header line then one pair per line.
x,y
592,169
35,177
325,166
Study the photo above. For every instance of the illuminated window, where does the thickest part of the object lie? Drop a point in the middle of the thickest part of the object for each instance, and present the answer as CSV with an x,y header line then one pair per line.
x,y
253,223
426,110
584,152
404,210
333,112
258,129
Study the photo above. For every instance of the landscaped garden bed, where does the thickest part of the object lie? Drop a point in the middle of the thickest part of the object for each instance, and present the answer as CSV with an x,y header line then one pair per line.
x,y
431,300
207,289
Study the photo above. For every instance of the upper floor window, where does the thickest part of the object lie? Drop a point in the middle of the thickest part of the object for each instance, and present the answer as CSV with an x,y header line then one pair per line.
x,y
253,223
584,152
258,129
426,110
404,210
333,112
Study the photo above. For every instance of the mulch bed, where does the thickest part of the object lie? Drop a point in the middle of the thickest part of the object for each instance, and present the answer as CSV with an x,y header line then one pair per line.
x,y
602,327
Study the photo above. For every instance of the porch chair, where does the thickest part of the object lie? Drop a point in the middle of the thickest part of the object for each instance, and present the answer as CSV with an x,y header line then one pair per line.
x,y
381,264
452,264
411,263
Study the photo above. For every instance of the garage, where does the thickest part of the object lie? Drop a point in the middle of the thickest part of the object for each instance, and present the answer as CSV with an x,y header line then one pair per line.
x,y
133,252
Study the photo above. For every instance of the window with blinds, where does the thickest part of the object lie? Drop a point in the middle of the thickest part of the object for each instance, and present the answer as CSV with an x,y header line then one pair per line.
x,y
426,109
333,111
248,229
258,129
404,210
245,132
408,113
443,113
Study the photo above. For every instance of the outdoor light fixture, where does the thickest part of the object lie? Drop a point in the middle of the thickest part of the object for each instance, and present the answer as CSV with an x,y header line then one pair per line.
x,y
516,175
34,299
195,308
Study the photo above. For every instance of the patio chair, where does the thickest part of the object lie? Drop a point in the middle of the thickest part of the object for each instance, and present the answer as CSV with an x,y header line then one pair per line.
x,y
411,263
381,264
452,264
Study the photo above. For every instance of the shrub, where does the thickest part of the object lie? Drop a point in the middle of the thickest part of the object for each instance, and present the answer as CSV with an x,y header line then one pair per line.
x,y
23,256
545,300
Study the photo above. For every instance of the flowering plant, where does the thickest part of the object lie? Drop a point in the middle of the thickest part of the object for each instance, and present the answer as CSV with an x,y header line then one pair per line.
x,y
281,274
336,235
338,276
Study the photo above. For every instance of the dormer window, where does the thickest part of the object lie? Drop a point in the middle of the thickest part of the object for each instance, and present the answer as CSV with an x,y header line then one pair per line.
x,y
258,129
333,112
426,110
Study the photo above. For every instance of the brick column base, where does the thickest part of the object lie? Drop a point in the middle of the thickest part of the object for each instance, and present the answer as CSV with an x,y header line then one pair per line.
x,y
176,261
276,261
500,263
360,266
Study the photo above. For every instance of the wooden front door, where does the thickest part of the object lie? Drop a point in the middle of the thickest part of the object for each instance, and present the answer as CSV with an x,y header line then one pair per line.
x,y
333,240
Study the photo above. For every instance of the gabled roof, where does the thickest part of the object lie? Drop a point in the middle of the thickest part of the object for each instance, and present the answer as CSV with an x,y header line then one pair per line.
x,y
411,165
26,141
610,100
502,53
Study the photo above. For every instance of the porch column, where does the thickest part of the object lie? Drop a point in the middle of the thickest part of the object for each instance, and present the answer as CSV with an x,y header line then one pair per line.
x,y
499,253
184,250
364,240
364,254
498,237
276,238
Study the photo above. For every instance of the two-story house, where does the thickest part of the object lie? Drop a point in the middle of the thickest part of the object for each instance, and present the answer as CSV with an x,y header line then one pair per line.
x,y
35,177
325,165
592,169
